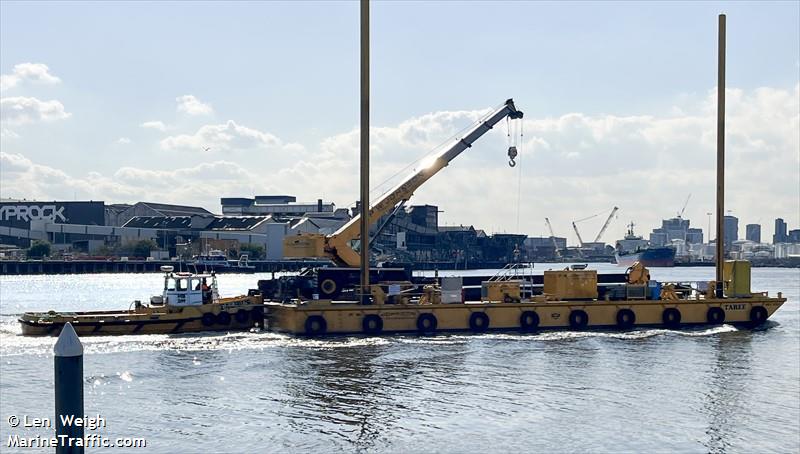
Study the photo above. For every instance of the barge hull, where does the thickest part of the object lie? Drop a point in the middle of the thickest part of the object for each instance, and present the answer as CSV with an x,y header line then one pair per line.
x,y
350,319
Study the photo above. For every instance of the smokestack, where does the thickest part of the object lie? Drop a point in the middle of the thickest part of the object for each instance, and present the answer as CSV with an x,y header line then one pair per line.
x,y
319,205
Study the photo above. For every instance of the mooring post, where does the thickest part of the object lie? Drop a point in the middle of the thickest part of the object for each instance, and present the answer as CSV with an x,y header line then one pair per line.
x,y
68,353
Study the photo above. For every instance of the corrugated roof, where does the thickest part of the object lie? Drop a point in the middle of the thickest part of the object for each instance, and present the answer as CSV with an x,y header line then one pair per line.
x,y
236,223
159,222
177,210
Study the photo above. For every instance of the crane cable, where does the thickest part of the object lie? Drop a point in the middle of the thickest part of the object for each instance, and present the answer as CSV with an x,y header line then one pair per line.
x,y
514,146
519,173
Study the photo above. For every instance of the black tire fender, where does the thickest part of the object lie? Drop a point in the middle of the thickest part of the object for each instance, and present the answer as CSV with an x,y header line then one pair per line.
x,y
671,317
372,324
426,323
208,319
715,316
758,315
224,318
578,319
315,325
626,318
478,322
529,321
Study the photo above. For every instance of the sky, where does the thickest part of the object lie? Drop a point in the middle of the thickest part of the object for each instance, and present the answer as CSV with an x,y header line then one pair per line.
x,y
188,102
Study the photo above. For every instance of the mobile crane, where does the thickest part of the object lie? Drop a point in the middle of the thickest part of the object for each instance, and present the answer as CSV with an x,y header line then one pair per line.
x,y
339,247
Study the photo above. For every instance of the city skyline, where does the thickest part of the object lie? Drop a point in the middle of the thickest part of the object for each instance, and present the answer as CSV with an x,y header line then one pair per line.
x,y
222,105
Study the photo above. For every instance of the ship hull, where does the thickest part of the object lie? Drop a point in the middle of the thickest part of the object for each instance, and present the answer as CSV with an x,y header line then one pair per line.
x,y
241,314
654,257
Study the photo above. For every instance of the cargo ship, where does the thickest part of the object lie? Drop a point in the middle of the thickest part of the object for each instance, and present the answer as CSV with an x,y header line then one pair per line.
x,y
633,248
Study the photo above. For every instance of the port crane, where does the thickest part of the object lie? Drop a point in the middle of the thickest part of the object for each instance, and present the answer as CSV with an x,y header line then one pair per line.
x,y
552,237
602,230
680,213
340,246
607,223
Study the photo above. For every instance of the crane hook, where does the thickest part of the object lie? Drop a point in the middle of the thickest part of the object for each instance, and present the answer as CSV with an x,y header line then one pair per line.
x,y
512,154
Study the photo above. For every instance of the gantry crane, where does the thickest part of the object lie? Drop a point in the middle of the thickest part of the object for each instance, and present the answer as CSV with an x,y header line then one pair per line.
x,y
339,246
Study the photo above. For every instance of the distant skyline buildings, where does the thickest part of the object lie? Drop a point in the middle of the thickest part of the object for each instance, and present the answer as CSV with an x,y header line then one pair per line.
x,y
753,232
731,226
780,235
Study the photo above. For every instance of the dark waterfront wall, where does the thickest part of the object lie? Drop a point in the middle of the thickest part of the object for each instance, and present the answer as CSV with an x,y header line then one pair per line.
x,y
22,267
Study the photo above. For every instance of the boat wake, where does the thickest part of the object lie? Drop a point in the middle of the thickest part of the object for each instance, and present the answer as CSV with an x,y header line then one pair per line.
x,y
12,343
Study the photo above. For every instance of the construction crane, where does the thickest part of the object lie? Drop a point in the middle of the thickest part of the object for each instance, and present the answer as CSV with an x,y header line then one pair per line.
x,y
680,213
605,226
553,237
339,246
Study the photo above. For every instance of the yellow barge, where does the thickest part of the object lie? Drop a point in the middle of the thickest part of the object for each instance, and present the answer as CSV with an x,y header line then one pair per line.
x,y
567,303
189,303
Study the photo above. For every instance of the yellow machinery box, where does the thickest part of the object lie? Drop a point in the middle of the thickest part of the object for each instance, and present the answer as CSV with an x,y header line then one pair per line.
x,y
505,291
736,275
571,284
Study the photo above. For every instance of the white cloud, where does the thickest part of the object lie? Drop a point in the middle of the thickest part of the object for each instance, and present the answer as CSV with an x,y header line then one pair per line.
x,y
190,105
200,185
225,136
157,125
35,72
20,110
123,141
572,165
6,133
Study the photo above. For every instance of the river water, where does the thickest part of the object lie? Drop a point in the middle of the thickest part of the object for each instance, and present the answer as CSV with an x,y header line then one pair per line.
x,y
718,389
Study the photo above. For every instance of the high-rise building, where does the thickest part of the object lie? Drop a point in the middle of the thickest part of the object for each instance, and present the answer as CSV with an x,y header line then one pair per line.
x,y
794,236
780,235
675,229
731,230
753,232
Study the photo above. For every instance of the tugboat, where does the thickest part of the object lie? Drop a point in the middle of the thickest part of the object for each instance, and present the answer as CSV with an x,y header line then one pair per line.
x,y
190,302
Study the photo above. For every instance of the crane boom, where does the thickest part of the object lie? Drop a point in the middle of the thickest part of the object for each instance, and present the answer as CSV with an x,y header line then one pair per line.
x,y
575,227
552,237
605,226
337,246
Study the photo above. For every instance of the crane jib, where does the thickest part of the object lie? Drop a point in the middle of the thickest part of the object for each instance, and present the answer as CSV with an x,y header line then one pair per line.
x,y
405,189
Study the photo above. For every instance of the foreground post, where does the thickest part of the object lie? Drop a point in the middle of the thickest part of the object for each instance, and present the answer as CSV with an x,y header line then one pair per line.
x,y
69,388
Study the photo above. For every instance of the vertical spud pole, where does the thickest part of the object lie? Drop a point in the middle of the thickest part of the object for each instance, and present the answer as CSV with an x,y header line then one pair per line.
x,y
365,221
68,353
718,291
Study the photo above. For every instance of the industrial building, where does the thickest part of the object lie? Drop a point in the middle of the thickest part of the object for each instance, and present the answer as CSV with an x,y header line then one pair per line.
x,y
92,226
282,206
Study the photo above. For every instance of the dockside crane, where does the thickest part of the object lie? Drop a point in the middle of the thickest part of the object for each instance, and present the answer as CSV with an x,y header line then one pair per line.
x,y
680,213
602,230
605,226
552,237
339,247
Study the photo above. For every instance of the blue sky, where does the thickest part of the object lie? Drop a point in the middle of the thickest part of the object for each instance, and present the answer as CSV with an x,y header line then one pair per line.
x,y
289,71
